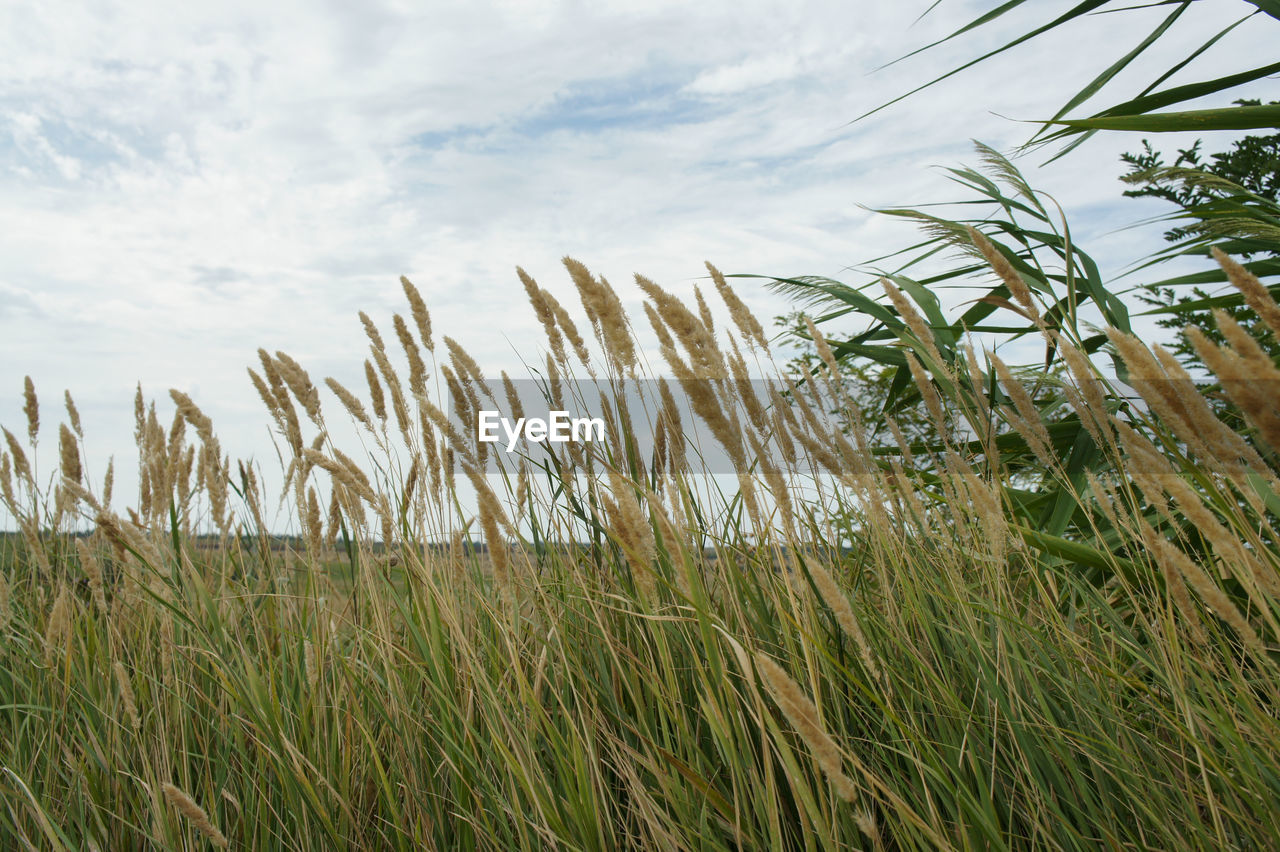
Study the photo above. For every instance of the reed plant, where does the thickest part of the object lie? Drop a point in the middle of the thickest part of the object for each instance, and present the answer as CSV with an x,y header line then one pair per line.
x,y
844,649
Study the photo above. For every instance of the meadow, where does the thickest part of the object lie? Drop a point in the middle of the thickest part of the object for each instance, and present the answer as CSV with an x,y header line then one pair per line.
x,y
974,642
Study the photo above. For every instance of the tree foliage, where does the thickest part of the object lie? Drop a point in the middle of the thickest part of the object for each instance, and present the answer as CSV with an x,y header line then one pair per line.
x,y
1062,297
1250,168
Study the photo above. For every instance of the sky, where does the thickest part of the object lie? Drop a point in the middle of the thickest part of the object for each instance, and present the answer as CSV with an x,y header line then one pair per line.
x,y
181,184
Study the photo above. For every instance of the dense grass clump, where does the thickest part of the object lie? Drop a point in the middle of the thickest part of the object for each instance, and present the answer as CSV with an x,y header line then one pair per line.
x,y
852,649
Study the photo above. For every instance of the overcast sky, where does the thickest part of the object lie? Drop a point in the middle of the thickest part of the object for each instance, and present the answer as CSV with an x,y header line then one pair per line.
x,y
183,183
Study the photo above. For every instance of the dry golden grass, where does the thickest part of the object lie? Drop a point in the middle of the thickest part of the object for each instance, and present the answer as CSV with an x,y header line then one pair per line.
x,y
850,647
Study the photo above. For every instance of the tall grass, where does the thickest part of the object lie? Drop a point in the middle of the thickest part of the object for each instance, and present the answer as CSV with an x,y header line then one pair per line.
x,y
631,662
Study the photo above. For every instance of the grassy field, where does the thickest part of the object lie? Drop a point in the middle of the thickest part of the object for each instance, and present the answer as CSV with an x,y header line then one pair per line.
x,y
852,650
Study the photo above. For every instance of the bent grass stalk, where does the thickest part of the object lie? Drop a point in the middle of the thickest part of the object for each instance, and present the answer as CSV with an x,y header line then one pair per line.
x,y
968,681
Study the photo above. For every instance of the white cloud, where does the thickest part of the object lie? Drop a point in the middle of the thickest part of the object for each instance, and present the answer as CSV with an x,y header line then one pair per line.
x,y
749,74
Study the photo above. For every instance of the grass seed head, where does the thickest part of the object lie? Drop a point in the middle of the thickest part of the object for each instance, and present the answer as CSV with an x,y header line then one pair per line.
x,y
376,398
421,317
350,402
1256,296
193,812
607,315
803,715
371,331
73,414
108,481
31,408
394,388
20,464
546,315
58,626
69,454
748,326
1027,421
835,598
914,321
417,369
127,697
932,400
93,570
1010,276
300,383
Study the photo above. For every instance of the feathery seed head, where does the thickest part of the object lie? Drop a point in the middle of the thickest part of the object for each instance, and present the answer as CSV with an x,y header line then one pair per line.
x,y
375,392
59,624
371,331
300,383
803,715
108,481
73,413
707,361
570,330
421,318
350,402
465,364
193,415
546,315
20,464
933,402
193,812
748,326
1255,294
69,454
704,312
608,318
139,413
417,369
1017,286
31,408
1027,420
835,598
127,697
914,321
392,379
